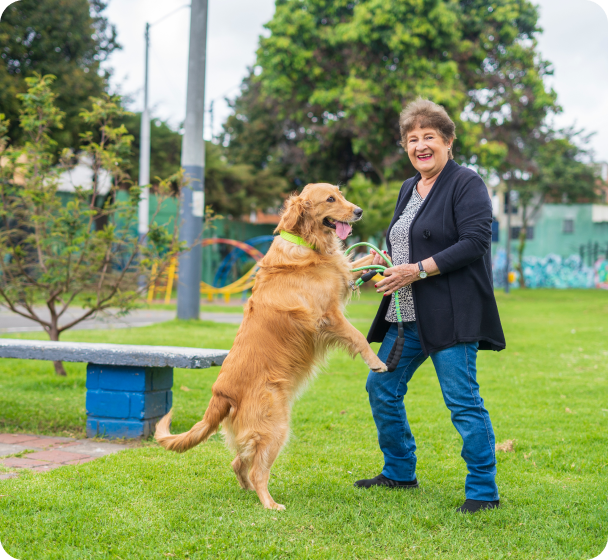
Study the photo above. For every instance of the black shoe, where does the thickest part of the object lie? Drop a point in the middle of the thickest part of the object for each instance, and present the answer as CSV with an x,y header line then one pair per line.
x,y
471,506
381,480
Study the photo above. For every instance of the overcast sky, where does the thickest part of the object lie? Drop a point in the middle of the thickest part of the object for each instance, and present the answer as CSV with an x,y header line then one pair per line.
x,y
575,40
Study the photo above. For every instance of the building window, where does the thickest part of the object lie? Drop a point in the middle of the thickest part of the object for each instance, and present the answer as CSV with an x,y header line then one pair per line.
x,y
568,226
529,232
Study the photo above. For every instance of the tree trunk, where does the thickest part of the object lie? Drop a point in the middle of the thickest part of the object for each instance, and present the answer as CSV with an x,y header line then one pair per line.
x,y
59,369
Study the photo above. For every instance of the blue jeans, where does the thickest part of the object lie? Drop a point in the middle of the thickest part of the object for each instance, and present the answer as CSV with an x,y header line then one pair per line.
x,y
457,373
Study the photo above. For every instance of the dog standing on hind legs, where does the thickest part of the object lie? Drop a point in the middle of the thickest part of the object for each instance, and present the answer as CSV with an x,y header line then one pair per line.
x,y
293,317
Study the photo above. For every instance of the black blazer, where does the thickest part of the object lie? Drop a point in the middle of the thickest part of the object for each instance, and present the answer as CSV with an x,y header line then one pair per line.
x,y
454,226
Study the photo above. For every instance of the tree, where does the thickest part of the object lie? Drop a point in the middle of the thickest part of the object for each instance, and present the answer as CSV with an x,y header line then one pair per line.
x,y
165,148
232,190
556,170
324,97
66,38
236,190
378,202
52,252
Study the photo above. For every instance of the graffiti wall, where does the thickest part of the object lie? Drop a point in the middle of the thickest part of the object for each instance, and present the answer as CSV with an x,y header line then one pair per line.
x,y
601,274
553,271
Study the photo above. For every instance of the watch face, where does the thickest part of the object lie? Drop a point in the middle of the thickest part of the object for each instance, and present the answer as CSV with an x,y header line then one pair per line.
x,y
423,274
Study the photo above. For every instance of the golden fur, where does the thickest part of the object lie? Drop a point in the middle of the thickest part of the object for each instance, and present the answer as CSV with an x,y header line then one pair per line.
x,y
294,315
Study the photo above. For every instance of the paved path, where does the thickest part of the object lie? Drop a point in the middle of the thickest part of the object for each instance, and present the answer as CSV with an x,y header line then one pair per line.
x,y
48,453
11,322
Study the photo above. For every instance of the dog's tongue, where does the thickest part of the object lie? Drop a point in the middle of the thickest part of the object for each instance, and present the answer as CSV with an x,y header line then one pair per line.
x,y
343,230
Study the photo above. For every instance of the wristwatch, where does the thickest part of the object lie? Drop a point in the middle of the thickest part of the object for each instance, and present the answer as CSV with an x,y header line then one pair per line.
x,y
422,273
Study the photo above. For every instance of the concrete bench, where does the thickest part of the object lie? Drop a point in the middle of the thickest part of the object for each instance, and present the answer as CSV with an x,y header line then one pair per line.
x,y
128,387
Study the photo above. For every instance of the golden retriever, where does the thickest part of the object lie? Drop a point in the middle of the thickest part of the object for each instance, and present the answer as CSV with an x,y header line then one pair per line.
x,y
294,315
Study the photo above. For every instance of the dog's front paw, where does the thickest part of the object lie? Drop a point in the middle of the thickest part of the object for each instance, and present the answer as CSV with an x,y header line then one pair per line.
x,y
380,367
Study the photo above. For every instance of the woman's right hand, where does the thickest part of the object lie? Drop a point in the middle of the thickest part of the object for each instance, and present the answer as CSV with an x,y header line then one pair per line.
x,y
378,258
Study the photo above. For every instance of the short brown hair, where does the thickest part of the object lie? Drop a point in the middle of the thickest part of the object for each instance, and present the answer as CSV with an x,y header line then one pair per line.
x,y
423,113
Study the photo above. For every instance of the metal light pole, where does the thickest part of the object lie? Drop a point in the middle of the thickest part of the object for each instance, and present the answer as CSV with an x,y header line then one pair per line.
x,y
144,142
508,240
193,162
144,153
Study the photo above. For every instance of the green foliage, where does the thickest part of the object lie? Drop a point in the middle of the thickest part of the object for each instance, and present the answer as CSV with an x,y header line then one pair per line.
x,y
232,190
85,248
377,201
165,148
331,79
66,38
149,503
236,190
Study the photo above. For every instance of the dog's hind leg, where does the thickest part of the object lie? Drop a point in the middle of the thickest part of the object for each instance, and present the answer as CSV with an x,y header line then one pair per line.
x,y
265,455
241,471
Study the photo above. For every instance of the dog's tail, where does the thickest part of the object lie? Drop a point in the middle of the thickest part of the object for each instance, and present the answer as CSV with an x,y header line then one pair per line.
x,y
218,409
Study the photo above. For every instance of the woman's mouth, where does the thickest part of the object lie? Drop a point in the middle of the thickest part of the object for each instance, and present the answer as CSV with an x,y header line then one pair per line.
x,y
425,157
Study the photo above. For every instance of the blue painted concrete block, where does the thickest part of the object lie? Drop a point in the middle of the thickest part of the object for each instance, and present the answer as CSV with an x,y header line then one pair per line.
x,y
111,429
129,378
125,401
148,405
111,404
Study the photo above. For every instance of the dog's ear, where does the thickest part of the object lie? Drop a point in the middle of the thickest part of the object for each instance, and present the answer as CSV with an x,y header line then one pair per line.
x,y
295,208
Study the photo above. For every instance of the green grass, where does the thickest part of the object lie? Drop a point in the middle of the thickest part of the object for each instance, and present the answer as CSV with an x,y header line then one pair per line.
x,y
147,503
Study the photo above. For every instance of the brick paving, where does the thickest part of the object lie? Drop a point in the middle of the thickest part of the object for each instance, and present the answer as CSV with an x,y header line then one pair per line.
x,y
43,453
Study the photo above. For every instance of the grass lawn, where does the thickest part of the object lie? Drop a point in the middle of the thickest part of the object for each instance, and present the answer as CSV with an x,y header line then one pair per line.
x,y
548,391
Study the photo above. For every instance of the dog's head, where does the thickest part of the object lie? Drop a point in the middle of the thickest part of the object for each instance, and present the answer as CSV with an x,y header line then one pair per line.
x,y
317,212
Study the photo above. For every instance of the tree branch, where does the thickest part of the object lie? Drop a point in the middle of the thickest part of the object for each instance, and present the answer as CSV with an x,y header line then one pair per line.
x,y
32,315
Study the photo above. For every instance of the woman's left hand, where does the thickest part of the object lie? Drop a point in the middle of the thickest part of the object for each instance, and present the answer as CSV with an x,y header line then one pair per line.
x,y
397,277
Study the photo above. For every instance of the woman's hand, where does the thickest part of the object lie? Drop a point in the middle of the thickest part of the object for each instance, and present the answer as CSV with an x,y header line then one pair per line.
x,y
378,259
397,277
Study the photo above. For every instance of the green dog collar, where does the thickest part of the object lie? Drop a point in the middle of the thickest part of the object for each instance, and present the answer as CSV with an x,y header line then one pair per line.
x,y
296,239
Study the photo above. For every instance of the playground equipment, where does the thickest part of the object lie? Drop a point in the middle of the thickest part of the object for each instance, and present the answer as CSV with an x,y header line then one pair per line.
x,y
237,255
243,284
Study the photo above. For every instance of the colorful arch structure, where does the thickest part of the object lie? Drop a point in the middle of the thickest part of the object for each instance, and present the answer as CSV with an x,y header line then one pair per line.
x,y
237,255
244,283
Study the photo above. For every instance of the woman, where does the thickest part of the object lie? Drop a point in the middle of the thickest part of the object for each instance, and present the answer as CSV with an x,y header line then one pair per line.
x,y
439,241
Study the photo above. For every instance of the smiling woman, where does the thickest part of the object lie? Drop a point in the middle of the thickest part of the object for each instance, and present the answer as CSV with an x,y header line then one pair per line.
x,y
439,243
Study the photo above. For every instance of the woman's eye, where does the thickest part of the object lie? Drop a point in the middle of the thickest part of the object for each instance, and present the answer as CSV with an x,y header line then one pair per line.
x,y
331,199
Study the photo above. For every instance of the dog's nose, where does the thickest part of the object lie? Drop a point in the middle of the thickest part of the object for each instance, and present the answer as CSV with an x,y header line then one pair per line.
x,y
358,212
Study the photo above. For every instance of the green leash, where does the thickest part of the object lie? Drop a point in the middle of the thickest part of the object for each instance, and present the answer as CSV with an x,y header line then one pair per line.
x,y
395,354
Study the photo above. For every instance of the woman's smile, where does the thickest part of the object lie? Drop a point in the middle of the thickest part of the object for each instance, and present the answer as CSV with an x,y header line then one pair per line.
x,y
427,151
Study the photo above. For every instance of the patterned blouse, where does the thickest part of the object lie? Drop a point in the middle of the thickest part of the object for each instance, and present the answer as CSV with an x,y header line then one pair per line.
x,y
400,242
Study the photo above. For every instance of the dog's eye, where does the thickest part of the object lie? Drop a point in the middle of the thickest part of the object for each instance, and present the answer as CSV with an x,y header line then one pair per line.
x,y
331,199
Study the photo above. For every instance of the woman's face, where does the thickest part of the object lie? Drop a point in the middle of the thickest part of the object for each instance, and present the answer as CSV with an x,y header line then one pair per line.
x,y
427,151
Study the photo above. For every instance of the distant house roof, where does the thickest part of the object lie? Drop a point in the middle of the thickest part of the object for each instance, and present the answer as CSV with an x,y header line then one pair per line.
x,y
259,217
81,175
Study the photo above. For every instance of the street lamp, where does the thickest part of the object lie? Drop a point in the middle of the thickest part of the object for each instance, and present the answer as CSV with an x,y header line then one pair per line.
x,y
144,143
